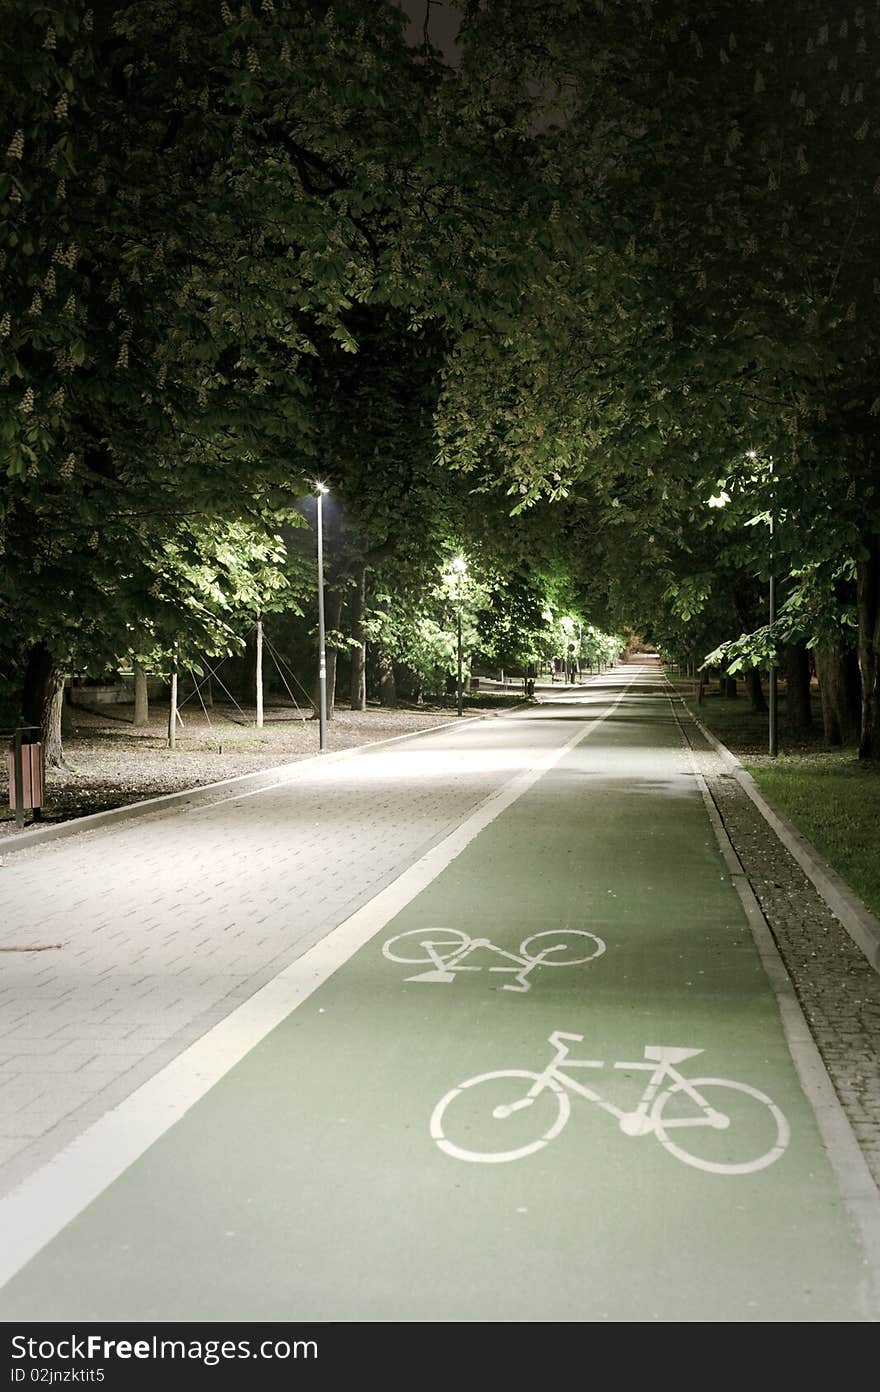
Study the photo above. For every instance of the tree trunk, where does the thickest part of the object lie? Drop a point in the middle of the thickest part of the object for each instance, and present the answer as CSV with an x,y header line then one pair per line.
x,y
828,672
68,724
840,689
387,680
141,698
359,653
756,691
840,679
41,704
248,682
851,694
172,711
797,688
730,687
50,732
869,648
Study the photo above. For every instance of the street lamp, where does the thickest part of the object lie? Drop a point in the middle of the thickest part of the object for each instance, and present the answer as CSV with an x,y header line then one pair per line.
x,y
321,489
774,690
459,570
773,694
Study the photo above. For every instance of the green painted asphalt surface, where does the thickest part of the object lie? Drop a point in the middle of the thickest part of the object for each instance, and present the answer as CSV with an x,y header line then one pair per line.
x,y
307,1185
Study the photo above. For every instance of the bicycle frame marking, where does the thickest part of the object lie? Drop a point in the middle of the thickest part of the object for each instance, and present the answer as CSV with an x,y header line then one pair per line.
x,y
632,1123
646,1118
447,958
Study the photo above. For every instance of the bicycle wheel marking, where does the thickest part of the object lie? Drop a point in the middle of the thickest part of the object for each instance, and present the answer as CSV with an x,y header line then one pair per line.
x,y
703,1136
444,952
559,943
414,945
553,1094
688,1129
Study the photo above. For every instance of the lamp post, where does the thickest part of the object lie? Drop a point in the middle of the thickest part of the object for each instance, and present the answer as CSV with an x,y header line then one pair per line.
x,y
773,694
459,702
774,689
459,570
321,489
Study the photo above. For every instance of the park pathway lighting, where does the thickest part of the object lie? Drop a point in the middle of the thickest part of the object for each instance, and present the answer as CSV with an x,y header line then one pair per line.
x,y
773,695
321,489
721,500
774,689
458,571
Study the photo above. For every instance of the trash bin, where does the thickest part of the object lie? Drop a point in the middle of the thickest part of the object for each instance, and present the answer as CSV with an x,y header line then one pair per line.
x,y
31,777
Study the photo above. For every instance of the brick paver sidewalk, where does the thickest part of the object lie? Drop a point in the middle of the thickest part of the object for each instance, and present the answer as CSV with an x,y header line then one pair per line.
x,y
155,929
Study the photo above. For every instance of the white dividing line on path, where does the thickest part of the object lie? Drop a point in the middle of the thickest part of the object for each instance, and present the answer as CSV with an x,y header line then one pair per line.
x,y
37,1210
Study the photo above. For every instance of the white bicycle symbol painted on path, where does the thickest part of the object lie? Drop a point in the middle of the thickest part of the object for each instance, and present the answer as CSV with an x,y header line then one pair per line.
x,y
514,1104
444,951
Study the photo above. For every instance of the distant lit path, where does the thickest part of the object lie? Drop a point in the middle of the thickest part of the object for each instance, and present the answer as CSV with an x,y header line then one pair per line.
x,y
561,1092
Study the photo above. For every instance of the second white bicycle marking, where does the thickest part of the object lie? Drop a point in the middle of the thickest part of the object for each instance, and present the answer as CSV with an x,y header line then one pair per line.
x,y
444,952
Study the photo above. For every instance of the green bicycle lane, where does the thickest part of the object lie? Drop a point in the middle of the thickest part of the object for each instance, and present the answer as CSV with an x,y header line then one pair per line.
x,y
307,1184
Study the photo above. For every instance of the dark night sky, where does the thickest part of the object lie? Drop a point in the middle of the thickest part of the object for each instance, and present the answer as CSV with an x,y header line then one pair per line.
x,y
443,25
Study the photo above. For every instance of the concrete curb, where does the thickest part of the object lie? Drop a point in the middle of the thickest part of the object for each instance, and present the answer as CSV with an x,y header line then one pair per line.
x,y
859,922
94,821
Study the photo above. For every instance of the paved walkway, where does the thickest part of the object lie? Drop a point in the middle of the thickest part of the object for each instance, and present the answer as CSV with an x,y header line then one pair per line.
x,y
154,929
540,1076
